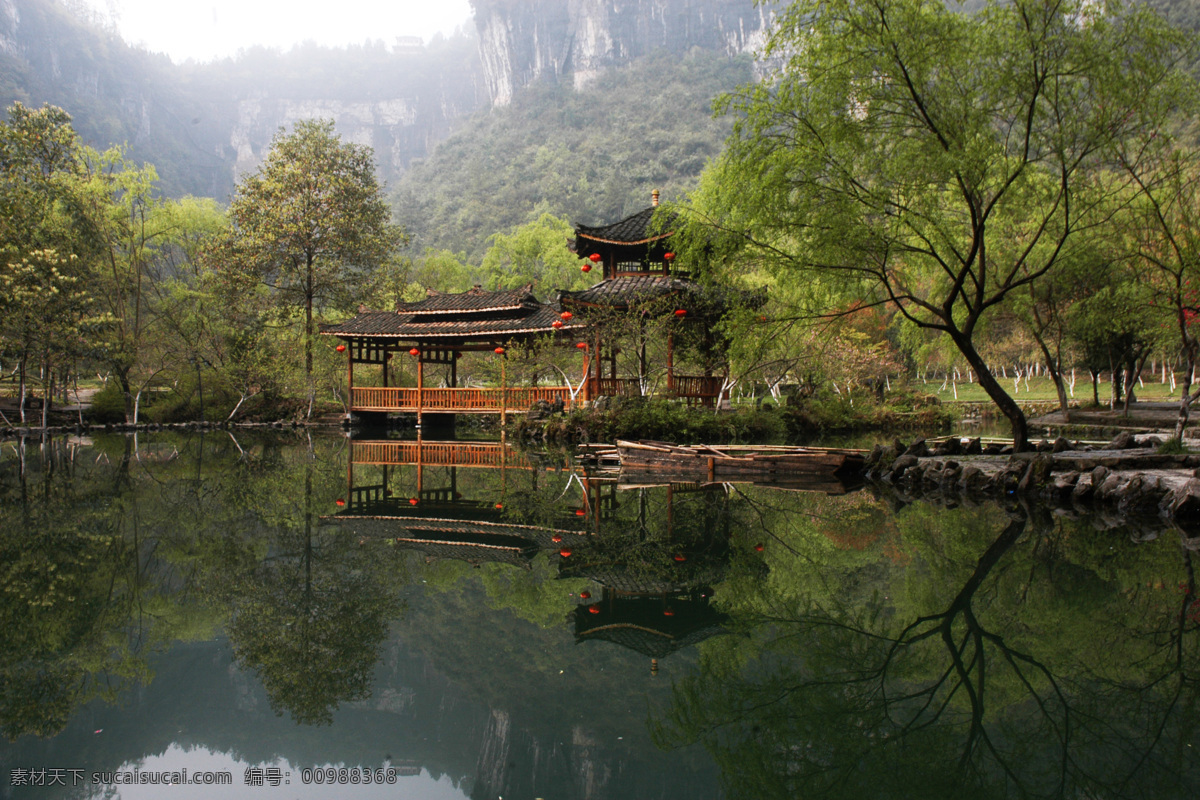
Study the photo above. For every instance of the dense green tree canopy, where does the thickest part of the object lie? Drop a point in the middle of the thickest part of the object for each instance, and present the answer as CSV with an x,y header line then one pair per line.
x,y
935,160
312,224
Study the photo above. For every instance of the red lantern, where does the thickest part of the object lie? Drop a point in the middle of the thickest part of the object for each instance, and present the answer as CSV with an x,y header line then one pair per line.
x,y
680,557
341,348
340,502
412,501
594,258
585,594
586,268
758,547
582,345
681,312
566,315
668,256
762,318
414,352
499,505
593,609
499,351
556,324
579,512
565,553
669,612
556,538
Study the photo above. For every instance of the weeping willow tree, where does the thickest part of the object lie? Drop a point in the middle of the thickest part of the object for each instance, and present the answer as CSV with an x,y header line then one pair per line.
x,y
936,160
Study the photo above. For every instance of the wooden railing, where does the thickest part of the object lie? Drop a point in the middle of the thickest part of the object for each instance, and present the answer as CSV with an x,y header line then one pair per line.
x,y
478,401
377,398
439,454
697,386
618,387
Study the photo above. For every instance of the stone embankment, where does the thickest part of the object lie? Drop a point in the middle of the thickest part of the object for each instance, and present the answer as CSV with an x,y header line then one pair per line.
x,y
1126,479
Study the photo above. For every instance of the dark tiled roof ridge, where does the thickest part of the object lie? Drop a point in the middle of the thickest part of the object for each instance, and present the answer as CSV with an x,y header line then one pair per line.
x,y
634,229
628,288
389,324
474,300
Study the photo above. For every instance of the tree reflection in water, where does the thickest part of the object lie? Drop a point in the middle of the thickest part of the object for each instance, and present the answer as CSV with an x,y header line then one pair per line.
x,y
311,616
924,653
1046,673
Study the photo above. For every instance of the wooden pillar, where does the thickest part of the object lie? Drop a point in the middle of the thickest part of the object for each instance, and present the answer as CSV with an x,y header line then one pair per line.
x,y
350,375
586,396
596,355
387,354
420,462
420,385
454,369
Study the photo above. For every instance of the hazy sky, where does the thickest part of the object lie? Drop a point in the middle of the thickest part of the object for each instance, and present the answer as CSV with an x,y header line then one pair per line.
x,y
207,29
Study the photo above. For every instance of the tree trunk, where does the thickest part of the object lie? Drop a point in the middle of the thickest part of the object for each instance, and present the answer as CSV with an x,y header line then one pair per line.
x,y
1133,372
22,389
1191,347
308,335
987,381
47,393
122,376
1055,373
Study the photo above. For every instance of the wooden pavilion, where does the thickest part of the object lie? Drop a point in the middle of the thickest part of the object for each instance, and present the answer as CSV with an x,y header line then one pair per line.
x,y
438,331
639,279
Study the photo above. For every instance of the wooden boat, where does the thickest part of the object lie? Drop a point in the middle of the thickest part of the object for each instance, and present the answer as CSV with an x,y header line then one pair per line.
x,y
714,462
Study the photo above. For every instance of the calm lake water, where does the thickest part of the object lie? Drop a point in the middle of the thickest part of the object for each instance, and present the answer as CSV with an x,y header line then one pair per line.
x,y
299,617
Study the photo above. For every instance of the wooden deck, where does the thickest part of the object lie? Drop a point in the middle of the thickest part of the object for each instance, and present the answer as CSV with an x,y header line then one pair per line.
x,y
456,401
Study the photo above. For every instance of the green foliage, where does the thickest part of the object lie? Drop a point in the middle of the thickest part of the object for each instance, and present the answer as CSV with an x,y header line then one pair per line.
x,y
108,404
535,253
659,419
311,225
939,161
591,156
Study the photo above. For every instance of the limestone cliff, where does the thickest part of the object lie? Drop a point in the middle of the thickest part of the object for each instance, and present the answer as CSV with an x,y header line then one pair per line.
x,y
204,125
522,41
10,19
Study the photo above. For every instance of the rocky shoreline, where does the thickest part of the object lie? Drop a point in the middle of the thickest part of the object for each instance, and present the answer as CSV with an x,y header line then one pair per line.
x,y
1120,481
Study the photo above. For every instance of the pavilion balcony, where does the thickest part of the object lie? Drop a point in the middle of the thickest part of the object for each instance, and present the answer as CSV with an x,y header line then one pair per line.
x,y
696,388
455,400
618,387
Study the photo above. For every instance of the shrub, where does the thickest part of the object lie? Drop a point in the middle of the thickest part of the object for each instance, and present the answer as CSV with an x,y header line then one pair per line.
x,y
108,404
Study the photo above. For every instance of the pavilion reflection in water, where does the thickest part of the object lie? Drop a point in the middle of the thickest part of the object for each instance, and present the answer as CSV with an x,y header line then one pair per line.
x,y
652,551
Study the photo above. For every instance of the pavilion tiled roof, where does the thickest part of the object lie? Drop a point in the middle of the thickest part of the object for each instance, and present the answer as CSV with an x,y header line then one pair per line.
x,y
626,289
462,539
472,301
640,625
398,325
634,229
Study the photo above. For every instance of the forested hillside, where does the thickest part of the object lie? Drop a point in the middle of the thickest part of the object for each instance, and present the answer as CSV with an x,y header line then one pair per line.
x,y
592,156
116,94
